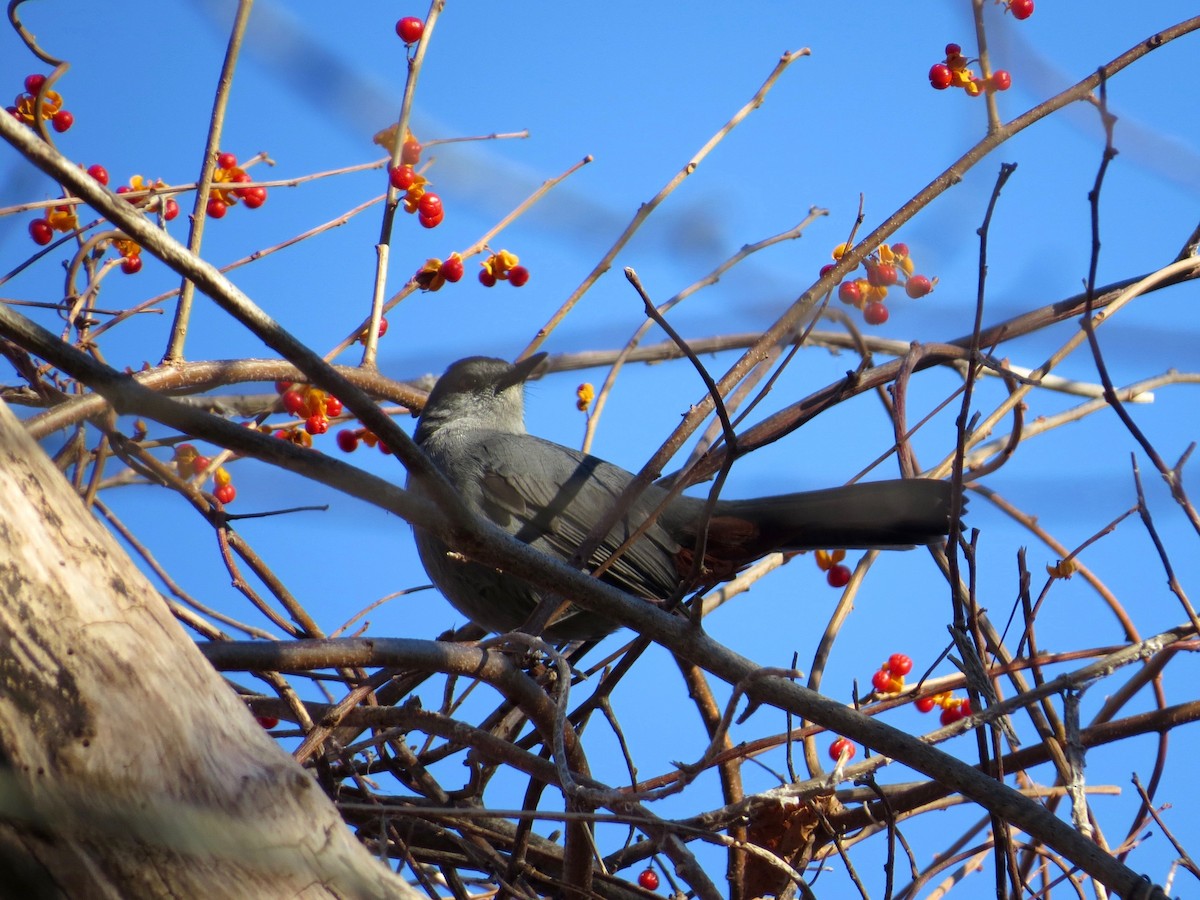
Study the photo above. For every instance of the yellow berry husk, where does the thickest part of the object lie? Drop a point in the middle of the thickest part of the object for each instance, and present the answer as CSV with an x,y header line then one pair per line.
x,y
585,394
221,477
62,218
1064,568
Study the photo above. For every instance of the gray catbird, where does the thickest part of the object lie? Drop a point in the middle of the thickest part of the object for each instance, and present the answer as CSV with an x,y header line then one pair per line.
x,y
549,496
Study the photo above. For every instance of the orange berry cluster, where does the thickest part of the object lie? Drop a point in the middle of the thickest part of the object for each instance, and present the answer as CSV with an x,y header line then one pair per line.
x,y
500,266
503,266
1064,568
57,218
435,273
428,207
309,403
830,562
348,440
953,708
28,110
584,395
38,101
189,462
228,172
886,267
167,207
955,71
890,677
63,218
403,177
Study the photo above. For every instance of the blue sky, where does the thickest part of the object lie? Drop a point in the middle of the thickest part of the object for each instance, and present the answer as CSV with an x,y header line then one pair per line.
x,y
641,87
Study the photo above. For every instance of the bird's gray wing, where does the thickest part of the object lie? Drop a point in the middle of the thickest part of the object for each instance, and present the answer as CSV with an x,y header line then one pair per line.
x,y
550,496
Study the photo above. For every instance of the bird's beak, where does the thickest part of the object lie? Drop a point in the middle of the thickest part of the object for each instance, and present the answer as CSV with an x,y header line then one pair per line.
x,y
524,369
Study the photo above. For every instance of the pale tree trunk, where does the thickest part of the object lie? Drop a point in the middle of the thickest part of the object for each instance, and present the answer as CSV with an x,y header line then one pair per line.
x,y
128,768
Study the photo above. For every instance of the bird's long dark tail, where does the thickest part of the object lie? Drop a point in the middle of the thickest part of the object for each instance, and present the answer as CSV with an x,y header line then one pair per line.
x,y
878,514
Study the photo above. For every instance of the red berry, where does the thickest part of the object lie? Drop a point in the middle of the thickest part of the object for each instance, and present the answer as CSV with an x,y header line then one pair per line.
x,y
901,250
953,50
383,326
882,682
227,161
826,269
33,83
225,493
267,722
99,173
952,714
518,276
131,265
841,745
401,177
41,232
648,879
838,576
1021,9
14,112
882,275
199,464
282,386
410,154
940,76
875,313
918,286
217,208
429,206
170,209
125,189
849,292
254,197
295,403
62,121
410,29
452,269
486,278
316,424
899,664
1001,80
333,406
347,440
432,221
925,704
